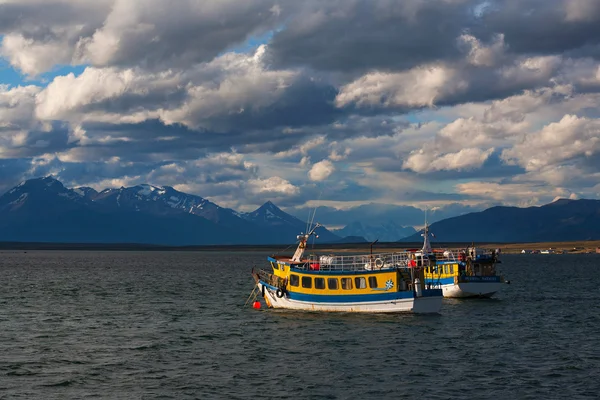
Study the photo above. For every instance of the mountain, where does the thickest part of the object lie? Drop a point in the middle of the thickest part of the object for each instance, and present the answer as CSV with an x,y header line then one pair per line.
x,y
562,220
166,200
386,232
271,217
44,210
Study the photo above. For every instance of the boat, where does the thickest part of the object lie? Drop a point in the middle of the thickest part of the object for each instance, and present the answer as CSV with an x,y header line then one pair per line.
x,y
469,272
362,283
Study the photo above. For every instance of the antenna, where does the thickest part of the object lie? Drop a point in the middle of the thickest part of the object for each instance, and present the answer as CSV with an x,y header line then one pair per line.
x,y
314,212
377,240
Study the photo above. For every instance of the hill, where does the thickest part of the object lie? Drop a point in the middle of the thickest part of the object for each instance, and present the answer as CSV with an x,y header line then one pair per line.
x,y
560,221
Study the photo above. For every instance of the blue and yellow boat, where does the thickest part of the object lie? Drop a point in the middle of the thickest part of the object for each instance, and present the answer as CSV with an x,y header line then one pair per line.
x,y
371,283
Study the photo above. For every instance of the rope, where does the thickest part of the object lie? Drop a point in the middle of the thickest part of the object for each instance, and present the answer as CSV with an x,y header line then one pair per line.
x,y
253,292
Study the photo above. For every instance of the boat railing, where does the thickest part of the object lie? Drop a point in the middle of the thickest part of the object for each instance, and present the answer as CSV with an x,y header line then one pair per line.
x,y
362,262
370,262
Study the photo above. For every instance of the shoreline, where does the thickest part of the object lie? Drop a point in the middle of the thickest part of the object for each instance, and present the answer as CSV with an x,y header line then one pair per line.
x,y
573,247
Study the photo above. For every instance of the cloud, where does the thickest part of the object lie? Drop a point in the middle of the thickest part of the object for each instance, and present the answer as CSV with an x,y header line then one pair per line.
x,y
126,33
321,170
239,101
419,87
564,141
465,159
232,92
480,54
273,185
385,35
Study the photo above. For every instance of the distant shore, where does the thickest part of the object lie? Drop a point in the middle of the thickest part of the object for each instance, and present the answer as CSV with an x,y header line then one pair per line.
x,y
507,248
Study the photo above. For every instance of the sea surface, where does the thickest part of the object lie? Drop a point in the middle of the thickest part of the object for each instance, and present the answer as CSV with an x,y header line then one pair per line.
x,y
172,325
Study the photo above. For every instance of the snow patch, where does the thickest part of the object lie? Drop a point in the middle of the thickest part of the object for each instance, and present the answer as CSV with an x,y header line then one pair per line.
x,y
147,190
21,198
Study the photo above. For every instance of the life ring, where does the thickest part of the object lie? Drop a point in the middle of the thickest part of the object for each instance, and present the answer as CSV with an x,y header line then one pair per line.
x,y
279,293
378,263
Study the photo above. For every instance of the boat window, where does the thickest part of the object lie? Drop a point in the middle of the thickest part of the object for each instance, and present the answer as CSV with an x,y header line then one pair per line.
x,y
332,283
360,282
452,269
347,283
274,265
306,282
446,269
294,280
373,282
319,283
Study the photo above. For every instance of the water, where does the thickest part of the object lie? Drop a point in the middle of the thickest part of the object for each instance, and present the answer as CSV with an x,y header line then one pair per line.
x,y
170,325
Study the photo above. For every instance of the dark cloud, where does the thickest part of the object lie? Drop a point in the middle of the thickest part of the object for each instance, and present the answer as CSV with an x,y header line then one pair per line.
x,y
493,167
543,26
304,103
365,35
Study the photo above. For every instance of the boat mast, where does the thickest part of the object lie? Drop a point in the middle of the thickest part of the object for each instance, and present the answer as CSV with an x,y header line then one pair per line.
x,y
303,238
425,234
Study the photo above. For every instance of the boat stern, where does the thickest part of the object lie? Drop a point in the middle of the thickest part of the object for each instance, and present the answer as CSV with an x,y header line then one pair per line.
x,y
430,302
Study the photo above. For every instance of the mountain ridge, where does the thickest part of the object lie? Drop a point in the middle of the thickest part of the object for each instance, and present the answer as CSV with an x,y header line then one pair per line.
x,y
44,210
564,220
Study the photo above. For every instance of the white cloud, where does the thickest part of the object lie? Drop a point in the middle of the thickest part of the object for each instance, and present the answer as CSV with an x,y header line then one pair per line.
x,y
321,170
481,55
17,106
418,87
207,96
303,148
273,185
558,142
33,57
465,159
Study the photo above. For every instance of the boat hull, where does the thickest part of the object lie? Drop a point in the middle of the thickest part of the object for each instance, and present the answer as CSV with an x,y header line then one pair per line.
x,y
430,302
471,289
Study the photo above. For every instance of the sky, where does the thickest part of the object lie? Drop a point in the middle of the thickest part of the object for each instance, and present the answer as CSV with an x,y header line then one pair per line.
x,y
428,103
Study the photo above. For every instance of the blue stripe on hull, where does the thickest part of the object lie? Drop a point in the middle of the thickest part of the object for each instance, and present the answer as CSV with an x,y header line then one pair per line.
x,y
360,298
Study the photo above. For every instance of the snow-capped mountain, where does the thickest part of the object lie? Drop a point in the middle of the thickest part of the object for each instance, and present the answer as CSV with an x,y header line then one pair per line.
x,y
166,200
47,190
45,210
